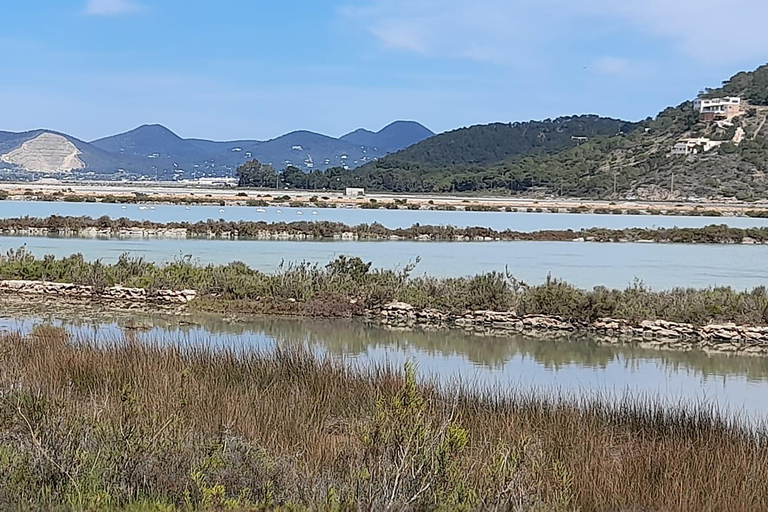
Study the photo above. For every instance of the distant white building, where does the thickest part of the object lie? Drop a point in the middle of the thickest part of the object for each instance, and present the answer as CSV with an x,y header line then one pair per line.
x,y
694,146
218,182
354,192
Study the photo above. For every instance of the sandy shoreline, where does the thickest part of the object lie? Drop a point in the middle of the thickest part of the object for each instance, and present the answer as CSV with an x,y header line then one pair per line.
x,y
162,193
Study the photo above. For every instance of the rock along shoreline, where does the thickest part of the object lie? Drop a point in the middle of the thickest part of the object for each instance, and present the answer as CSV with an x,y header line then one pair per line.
x,y
722,338
111,294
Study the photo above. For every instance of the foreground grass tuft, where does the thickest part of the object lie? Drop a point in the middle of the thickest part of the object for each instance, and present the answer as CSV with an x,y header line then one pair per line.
x,y
135,427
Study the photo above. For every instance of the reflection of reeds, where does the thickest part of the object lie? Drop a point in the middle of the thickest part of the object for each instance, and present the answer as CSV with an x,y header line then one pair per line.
x,y
105,426
355,337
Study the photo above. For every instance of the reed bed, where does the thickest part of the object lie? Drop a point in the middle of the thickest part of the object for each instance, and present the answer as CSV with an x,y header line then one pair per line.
x,y
346,287
135,426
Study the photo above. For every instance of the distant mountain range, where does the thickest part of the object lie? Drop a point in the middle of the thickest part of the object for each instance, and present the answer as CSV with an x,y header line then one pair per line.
x,y
155,151
682,152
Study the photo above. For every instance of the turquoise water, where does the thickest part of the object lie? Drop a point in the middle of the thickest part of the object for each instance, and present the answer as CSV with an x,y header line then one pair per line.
x,y
660,266
583,264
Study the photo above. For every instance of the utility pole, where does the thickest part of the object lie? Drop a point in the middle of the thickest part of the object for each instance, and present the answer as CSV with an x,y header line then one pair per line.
x,y
672,185
614,184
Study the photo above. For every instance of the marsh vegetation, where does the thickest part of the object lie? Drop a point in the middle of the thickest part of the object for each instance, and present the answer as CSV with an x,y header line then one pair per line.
x,y
346,287
151,426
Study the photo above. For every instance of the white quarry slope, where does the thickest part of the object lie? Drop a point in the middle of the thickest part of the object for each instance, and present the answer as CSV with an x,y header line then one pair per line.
x,y
48,152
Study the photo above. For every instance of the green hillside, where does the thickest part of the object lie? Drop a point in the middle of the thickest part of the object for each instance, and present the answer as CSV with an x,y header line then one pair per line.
x,y
491,143
752,86
582,156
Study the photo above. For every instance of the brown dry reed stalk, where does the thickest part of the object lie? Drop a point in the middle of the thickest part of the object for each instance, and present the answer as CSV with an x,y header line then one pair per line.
x,y
125,425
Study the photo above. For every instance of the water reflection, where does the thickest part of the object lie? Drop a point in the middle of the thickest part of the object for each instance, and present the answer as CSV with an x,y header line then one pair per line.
x,y
354,338
572,365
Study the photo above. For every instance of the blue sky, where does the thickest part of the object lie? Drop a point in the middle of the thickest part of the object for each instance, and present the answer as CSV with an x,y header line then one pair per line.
x,y
257,69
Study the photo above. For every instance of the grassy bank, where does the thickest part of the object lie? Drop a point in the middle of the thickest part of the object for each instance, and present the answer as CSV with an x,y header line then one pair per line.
x,y
151,427
348,286
324,230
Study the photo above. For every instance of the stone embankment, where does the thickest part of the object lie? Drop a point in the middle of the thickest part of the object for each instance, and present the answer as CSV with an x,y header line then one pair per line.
x,y
112,294
730,338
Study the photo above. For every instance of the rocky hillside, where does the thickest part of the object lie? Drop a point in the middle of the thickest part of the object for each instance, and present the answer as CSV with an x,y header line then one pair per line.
x,y
46,151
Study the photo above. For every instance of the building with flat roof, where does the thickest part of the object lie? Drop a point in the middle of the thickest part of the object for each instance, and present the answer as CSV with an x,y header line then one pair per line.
x,y
711,109
694,146
354,192
218,182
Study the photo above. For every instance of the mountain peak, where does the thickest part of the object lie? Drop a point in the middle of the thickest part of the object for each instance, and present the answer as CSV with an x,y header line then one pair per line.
x,y
404,124
359,131
393,137
146,139
154,130
155,150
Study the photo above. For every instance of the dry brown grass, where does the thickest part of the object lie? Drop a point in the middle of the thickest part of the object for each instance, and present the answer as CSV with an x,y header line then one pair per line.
x,y
138,426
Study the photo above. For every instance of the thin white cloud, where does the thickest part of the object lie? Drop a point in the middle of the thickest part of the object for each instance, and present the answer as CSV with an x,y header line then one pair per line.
x,y
111,7
615,66
481,30
706,30
505,31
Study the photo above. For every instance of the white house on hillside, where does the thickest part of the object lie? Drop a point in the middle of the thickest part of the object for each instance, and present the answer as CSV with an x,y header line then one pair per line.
x,y
694,146
710,109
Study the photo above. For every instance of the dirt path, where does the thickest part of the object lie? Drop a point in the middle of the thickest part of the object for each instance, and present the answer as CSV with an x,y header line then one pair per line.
x,y
757,132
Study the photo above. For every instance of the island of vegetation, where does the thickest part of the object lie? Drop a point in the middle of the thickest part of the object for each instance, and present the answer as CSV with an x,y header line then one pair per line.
x,y
716,319
105,227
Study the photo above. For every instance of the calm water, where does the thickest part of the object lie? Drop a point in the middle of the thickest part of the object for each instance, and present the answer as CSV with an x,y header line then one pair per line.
x,y
389,218
580,367
660,266
585,265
